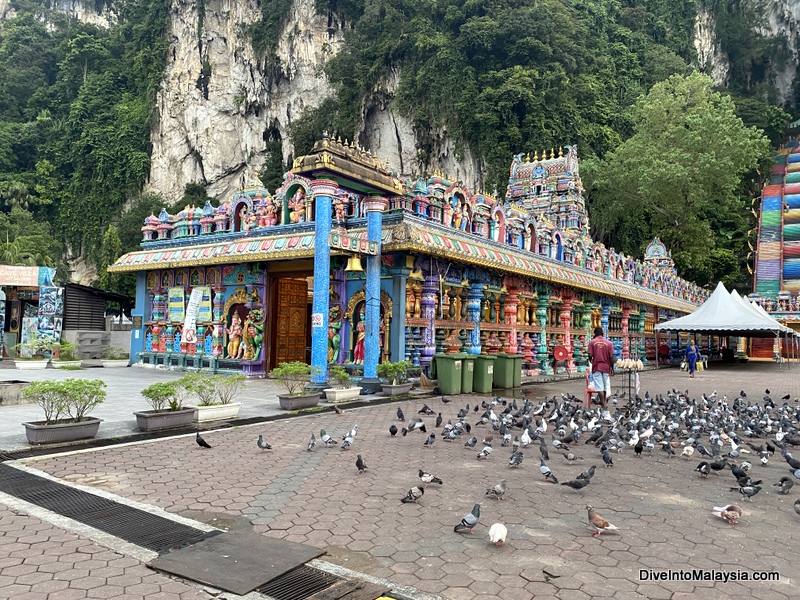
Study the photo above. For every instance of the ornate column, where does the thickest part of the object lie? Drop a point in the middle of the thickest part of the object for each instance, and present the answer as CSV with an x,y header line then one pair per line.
x,y
430,288
474,297
605,308
626,341
542,301
511,304
373,207
641,330
566,323
322,191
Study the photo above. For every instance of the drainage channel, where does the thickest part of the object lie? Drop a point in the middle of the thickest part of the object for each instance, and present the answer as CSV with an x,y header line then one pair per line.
x,y
127,523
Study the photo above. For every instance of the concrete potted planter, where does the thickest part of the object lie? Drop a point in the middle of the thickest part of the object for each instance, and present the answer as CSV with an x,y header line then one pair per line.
x,y
11,392
295,376
166,400
66,405
31,356
343,390
396,375
65,356
216,394
115,358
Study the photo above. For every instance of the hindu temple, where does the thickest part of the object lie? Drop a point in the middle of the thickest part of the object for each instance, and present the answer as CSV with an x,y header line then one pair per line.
x,y
347,263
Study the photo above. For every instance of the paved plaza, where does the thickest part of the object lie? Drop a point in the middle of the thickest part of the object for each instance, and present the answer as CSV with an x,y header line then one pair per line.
x,y
660,505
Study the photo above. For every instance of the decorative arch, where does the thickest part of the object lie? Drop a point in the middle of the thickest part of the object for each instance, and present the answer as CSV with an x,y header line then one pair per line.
x,y
498,232
241,203
356,300
557,247
285,195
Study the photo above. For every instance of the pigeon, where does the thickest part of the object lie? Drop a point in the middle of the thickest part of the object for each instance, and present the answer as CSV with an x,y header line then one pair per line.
x,y
487,450
427,478
425,410
393,430
400,415
470,443
637,449
515,460
347,442
797,507
730,513
445,399
470,520
588,473
598,523
260,441
439,421
687,452
414,423
577,484
785,484
545,470
337,410
607,458
204,444
570,456
430,440
360,464
312,442
718,465
413,495
326,439
543,449
748,491
498,491
703,468
497,534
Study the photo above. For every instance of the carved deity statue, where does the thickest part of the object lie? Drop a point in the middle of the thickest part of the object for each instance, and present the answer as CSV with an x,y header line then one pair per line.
x,y
298,206
235,348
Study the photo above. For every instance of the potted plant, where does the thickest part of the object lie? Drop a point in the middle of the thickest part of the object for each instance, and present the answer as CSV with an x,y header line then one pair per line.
x,y
66,405
215,394
114,357
65,355
32,354
342,389
166,401
396,375
294,376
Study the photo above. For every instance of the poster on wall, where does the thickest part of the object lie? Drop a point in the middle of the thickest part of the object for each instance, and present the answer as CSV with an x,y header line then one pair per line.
x,y
51,307
204,313
192,310
27,333
176,305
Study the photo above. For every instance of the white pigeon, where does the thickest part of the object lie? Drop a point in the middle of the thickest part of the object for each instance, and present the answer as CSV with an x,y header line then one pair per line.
x,y
497,534
525,438
687,452
487,450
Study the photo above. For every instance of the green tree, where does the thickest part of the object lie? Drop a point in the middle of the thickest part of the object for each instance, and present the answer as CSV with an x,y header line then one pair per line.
x,y
680,177
109,253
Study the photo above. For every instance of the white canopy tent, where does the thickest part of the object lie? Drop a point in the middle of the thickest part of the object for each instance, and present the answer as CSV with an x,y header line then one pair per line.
x,y
729,314
722,314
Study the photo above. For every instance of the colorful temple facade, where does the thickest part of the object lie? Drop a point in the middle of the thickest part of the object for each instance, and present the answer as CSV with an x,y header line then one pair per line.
x,y
776,278
262,279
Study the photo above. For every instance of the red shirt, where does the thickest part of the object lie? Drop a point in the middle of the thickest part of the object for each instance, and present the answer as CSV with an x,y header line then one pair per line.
x,y
600,352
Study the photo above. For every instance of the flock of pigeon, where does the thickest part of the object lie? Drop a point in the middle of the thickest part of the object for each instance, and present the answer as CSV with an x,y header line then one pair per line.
x,y
720,431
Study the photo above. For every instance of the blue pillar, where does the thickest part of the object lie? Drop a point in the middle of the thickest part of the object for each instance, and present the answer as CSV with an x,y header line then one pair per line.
x,y
142,302
398,325
323,191
474,297
605,308
374,208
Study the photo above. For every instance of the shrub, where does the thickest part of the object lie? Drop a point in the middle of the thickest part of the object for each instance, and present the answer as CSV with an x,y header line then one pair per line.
x,y
396,372
67,351
294,376
49,395
228,387
341,377
74,398
165,394
36,347
201,385
114,353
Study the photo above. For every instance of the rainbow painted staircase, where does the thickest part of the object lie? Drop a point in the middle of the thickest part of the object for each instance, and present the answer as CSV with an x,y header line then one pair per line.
x,y
791,223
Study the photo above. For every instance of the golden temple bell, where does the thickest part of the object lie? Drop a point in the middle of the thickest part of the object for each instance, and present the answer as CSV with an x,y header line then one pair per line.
x,y
354,265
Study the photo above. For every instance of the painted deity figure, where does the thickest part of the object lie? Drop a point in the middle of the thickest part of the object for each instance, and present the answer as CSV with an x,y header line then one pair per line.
x,y
252,222
243,219
235,348
361,334
298,206
334,333
464,217
252,335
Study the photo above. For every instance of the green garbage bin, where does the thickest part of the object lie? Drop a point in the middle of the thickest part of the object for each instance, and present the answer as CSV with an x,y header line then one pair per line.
x,y
484,373
447,370
508,371
467,373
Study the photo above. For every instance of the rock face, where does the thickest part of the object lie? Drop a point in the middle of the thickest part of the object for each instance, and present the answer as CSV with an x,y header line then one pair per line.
x,y
220,102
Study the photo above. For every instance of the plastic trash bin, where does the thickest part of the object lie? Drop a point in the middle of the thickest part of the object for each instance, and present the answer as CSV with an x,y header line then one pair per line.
x,y
508,371
447,369
467,373
484,373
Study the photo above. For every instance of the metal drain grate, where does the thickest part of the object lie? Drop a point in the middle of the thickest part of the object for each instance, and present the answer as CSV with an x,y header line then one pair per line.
x,y
299,584
125,522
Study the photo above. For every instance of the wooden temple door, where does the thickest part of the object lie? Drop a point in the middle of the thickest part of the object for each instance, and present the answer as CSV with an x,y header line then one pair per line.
x,y
290,332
